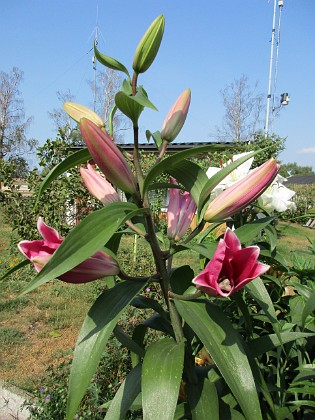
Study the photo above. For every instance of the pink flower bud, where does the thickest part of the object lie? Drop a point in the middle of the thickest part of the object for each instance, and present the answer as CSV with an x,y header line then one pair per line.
x,y
98,186
180,212
39,253
77,111
176,117
108,157
231,267
243,192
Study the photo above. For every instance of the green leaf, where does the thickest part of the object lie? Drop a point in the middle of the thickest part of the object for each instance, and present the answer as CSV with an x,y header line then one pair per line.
x,y
162,167
161,377
111,121
247,233
141,98
156,137
128,106
69,162
15,268
266,343
258,291
142,302
206,250
110,62
227,350
94,334
203,399
88,237
125,395
271,234
127,341
191,175
180,279
308,308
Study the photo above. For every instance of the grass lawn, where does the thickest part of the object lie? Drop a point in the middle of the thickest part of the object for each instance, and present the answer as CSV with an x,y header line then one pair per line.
x,y
40,328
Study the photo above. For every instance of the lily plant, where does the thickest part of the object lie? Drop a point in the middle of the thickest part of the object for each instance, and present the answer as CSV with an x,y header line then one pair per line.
x,y
165,380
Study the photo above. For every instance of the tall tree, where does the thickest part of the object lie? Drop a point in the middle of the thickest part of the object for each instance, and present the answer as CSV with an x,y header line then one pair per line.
x,y
243,107
13,122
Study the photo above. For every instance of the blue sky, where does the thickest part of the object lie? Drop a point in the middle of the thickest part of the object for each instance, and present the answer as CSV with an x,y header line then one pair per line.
x,y
206,45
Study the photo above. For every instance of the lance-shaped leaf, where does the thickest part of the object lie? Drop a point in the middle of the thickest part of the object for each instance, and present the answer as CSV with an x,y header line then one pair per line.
x,y
129,107
227,349
161,377
248,232
149,45
203,400
69,162
15,268
110,62
259,292
172,161
266,343
125,395
95,331
88,237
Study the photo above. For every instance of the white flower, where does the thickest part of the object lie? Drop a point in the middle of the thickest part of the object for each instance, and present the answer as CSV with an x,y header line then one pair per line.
x,y
239,173
277,196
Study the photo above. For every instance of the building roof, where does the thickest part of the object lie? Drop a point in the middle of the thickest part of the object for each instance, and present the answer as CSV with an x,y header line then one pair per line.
x,y
172,147
300,180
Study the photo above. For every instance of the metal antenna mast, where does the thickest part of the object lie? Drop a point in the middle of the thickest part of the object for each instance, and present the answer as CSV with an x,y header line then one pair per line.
x,y
284,97
280,4
270,67
94,61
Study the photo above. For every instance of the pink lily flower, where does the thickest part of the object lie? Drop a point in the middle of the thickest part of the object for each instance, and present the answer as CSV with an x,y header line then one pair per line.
x,y
242,193
180,212
39,253
176,117
98,186
231,267
108,157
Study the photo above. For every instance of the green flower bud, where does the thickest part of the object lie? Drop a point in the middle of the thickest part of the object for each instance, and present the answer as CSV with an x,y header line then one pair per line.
x,y
149,46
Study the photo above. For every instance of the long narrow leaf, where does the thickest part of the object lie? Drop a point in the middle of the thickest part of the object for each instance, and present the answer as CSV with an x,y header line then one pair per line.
x,y
161,378
69,162
84,240
259,292
247,233
203,399
266,343
162,166
15,268
95,331
125,395
227,350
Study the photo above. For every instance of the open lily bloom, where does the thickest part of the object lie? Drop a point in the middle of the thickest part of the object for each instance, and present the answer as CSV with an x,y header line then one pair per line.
x,y
277,197
231,267
39,253
180,212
